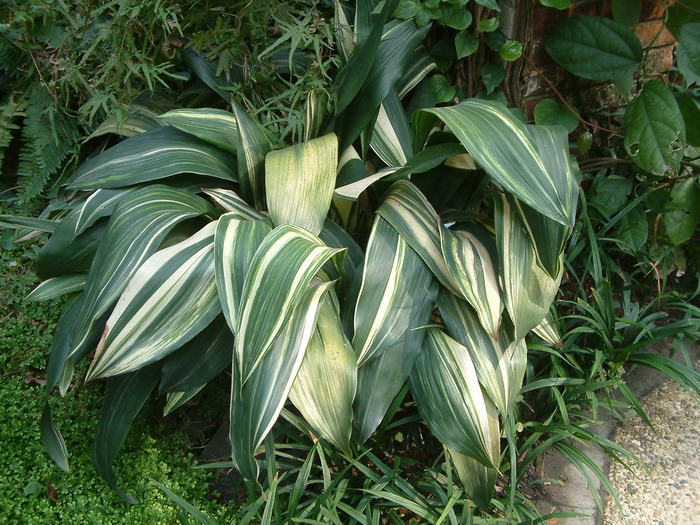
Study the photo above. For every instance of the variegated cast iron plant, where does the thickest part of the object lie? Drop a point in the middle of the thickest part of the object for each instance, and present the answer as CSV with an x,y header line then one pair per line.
x,y
192,247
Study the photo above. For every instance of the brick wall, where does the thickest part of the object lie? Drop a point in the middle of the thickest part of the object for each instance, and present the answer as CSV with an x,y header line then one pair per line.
x,y
594,96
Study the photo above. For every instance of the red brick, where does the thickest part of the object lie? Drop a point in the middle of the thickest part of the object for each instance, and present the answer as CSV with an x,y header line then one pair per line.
x,y
586,7
646,31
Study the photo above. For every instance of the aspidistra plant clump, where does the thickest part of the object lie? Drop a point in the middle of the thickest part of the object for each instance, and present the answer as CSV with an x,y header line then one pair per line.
x,y
193,248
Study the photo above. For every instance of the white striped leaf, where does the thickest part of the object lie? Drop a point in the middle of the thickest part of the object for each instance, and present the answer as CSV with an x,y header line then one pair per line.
x,y
199,360
174,400
279,274
252,147
500,363
410,214
393,276
168,301
325,385
477,479
256,404
528,291
392,136
316,112
473,271
14,222
139,120
235,243
299,181
419,66
100,203
56,287
134,232
449,398
353,190
381,379
231,202
547,330
157,154
532,165
215,126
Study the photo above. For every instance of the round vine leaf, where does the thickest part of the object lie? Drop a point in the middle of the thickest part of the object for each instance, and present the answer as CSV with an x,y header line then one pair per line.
x,y
688,53
627,12
556,4
455,17
593,47
632,229
690,108
492,75
550,112
407,9
465,44
511,50
683,210
442,91
655,136
490,24
584,142
491,4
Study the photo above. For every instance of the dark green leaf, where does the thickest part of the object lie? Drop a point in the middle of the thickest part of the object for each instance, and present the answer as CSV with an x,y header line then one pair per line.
x,y
595,48
683,210
124,397
610,194
491,4
52,438
465,44
406,9
584,142
557,4
655,136
549,112
456,17
442,90
632,229
492,75
690,108
627,12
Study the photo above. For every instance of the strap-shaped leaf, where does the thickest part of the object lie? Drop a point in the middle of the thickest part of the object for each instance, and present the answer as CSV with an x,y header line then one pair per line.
x,y
157,154
505,148
528,291
14,222
231,202
256,403
67,254
547,331
477,479
124,398
56,287
100,203
381,379
169,300
393,276
235,243
469,261
325,385
449,398
410,214
134,232
392,136
336,237
252,146
198,361
387,65
316,112
52,439
174,400
215,126
300,181
280,272
500,363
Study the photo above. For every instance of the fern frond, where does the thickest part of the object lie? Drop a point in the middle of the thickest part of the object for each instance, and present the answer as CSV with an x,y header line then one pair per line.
x,y
49,137
10,111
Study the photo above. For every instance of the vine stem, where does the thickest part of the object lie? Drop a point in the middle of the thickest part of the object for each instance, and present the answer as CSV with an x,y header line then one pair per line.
x,y
568,106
